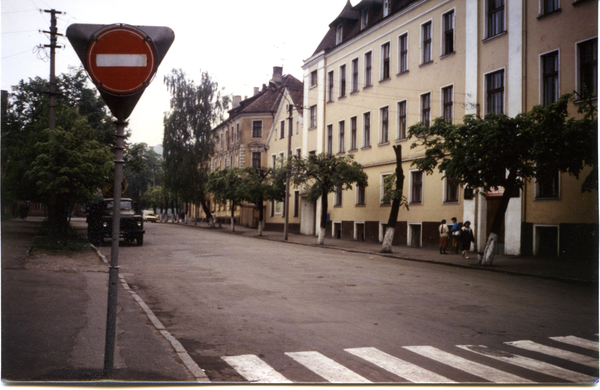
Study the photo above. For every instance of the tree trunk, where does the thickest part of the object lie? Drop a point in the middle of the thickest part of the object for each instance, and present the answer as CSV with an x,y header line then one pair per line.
x,y
209,215
232,218
386,246
323,225
492,242
261,216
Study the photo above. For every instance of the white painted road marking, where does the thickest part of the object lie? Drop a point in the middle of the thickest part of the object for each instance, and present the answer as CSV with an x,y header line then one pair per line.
x,y
254,369
530,364
122,60
397,366
579,342
485,372
326,368
556,352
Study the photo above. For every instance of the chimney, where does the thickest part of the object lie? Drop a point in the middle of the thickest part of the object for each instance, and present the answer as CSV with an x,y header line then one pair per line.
x,y
237,99
256,91
277,74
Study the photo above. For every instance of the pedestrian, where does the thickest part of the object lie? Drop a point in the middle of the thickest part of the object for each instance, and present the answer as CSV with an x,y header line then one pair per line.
x,y
443,229
466,238
455,231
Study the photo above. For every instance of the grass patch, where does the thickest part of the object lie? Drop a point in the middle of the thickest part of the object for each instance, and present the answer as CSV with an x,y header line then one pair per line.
x,y
74,242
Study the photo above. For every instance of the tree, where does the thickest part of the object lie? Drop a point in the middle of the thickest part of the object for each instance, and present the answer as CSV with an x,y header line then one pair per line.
x,y
394,186
260,185
80,115
227,186
324,174
188,144
499,151
142,171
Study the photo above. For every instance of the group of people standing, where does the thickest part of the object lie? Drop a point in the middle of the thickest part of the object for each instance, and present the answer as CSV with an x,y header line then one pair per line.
x,y
463,235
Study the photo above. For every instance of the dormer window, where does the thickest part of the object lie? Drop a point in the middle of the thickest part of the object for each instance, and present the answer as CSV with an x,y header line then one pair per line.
x,y
387,7
339,34
364,19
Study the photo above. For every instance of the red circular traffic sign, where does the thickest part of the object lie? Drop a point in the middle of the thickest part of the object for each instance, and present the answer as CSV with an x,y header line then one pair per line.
x,y
121,60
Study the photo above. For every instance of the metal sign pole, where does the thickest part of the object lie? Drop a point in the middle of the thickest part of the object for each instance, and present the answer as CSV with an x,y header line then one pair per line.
x,y
113,276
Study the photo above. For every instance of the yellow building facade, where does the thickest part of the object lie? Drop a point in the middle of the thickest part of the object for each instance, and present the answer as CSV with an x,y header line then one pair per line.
x,y
386,65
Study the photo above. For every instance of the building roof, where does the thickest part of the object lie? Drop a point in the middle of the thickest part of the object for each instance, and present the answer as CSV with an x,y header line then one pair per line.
x,y
350,19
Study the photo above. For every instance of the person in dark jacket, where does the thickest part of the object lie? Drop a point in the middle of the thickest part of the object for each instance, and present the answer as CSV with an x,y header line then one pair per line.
x,y
466,238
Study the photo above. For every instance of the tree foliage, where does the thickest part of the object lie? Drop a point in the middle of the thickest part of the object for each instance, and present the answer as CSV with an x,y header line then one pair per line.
x,y
226,186
325,173
188,145
499,151
142,171
260,185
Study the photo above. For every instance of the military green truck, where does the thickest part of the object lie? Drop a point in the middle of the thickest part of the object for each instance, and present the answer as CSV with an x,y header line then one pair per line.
x,y
99,220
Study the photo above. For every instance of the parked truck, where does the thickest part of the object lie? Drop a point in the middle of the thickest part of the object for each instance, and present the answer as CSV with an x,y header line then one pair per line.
x,y
99,220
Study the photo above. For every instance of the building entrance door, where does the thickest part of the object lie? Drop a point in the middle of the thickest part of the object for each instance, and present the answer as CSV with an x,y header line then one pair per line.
x,y
493,204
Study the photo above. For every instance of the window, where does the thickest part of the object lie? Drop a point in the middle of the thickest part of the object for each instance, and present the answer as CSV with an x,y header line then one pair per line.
x,y
342,146
330,86
360,196
385,61
447,103
426,109
226,137
416,192
330,139
274,161
547,187
257,129
355,75
387,7
383,190
238,135
495,92
339,34
549,6
342,80
450,191
282,158
296,204
282,129
403,49
313,78
495,17
256,159
337,197
364,19
426,42
384,115
299,153
367,129
368,70
401,120
588,67
550,78
448,42
353,133
313,117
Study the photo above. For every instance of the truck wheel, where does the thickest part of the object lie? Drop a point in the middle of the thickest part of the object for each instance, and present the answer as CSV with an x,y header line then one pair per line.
x,y
140,240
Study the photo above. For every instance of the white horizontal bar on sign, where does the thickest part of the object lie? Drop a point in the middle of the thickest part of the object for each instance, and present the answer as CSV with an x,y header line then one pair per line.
x,y
124,60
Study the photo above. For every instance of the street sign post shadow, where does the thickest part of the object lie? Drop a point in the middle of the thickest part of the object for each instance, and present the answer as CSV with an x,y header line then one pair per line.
x,y
121,60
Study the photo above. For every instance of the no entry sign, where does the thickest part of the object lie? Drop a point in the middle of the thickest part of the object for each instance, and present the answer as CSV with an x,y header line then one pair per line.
x,y
121,60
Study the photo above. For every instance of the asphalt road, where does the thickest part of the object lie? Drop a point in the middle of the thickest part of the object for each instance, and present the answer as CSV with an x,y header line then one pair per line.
x,y
288,306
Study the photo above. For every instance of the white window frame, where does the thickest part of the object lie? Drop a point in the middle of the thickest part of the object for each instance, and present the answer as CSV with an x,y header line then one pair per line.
x,y
382,62
387,8
411,200
368,71
355,83
536,189
422,42
443,102
445,192
342,136
343,82
364,143
383,141
444,52
382,177
404,34
486,21
578,63
330,85
541,75
399,123
485,90
421,110
339,34
313,117
356,197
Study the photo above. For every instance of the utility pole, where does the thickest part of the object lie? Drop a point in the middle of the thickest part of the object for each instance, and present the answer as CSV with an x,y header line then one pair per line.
x,y
52,91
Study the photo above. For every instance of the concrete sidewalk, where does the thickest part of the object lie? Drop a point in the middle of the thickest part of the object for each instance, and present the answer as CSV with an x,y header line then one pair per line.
x,y
573,270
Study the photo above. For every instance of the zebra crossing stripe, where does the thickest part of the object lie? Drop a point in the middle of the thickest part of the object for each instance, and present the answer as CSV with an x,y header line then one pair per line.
x,y
480,370
579,342
530,364
254,369
326,368
397,366
559,353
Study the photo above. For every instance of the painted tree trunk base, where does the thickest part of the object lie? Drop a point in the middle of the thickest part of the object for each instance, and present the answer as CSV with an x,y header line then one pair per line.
x,y
260,229
232,225
211,221
490,250
386,246
321,238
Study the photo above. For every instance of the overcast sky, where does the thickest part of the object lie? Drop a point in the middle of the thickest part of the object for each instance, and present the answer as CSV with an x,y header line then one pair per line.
x,y
237,42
